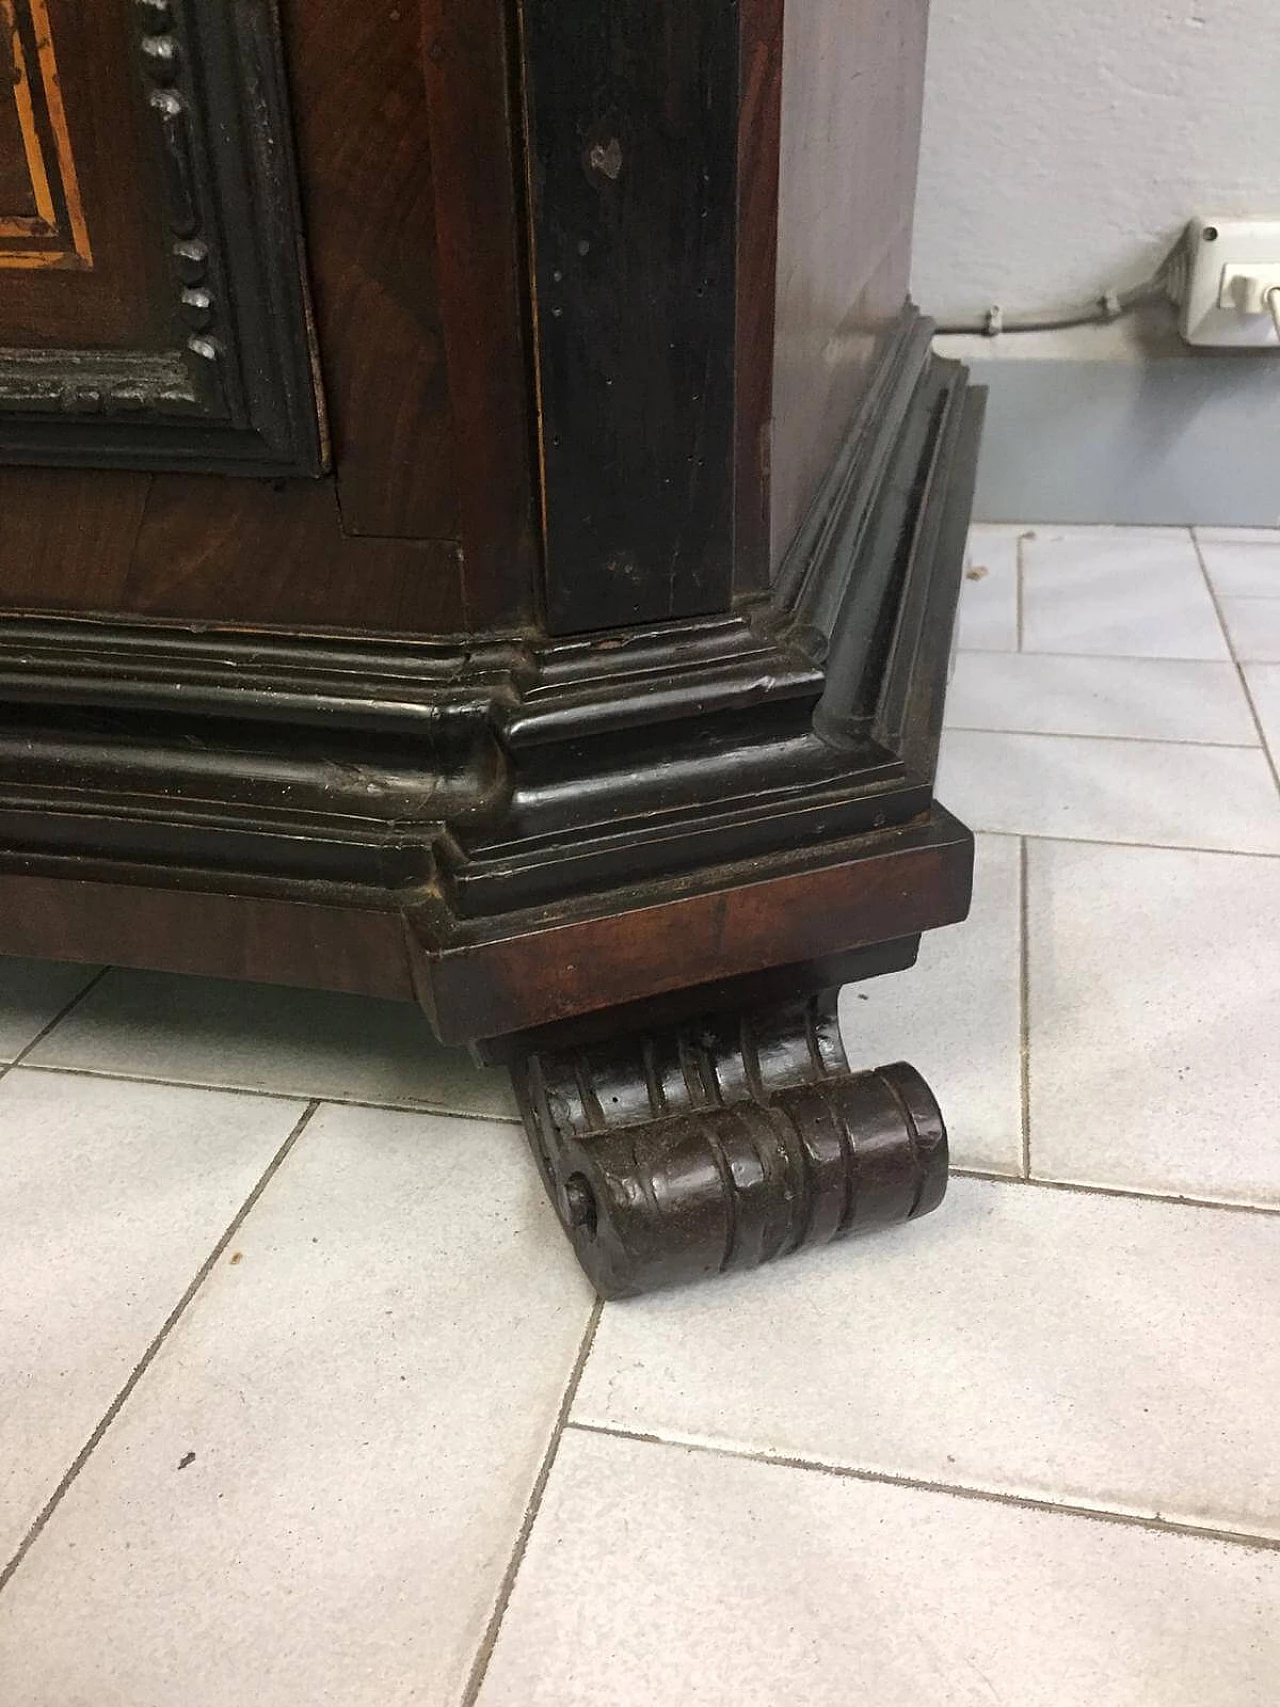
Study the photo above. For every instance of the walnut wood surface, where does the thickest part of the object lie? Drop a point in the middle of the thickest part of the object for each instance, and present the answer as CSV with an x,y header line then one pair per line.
x,y
357,950
66,538
852,81
365,160
275,553
470,55
536,974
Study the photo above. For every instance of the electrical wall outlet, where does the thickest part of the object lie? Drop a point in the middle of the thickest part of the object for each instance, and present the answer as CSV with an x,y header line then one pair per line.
x,y
1231,263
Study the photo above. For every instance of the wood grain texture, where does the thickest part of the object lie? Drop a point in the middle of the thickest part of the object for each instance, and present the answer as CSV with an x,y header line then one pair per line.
x,y
360,950
67,537
918,881
851,96
473,116
365,160
632,121
273,552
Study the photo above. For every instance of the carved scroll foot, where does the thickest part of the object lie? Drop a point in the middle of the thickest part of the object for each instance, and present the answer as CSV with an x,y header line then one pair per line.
x,y
677,1154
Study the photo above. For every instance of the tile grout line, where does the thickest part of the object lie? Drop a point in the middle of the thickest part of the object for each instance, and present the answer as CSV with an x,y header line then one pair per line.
x,y
20,1057
1024,1004
225,1089
955,1490
1131,1194
1098,842
484,1653
1239,667
1019,592
148,1357
1077,735
1045,654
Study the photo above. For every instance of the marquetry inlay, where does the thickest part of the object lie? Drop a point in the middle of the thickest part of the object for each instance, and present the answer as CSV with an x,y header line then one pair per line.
x,y
43,225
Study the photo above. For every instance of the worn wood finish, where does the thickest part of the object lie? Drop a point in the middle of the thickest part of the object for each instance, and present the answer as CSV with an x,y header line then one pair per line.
x,y
632,137
725,1144
848,897
566,827
592,698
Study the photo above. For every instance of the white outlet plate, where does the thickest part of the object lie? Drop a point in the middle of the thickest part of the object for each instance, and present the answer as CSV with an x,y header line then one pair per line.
x,y
1217,250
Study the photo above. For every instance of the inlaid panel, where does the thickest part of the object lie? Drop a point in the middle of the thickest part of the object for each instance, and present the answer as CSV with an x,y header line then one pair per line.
x,y
154,308
42,221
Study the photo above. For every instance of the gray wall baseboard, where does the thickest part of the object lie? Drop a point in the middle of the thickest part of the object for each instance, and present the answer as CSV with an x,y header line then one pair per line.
x,y
1172,441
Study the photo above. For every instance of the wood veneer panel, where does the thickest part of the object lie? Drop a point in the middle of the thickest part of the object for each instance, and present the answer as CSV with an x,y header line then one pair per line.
x,y
469,53
273,552
359,950
364,155
67,537
853,74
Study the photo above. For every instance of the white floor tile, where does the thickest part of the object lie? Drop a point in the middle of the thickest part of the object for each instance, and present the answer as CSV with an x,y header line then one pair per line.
x,y
988,614
1254,627
1098,1351
111,1197
1132,593
956,1015
1111,791
32,992
1246,569
264,1037
656,1576
1155,1020
1264,685
1154,699
367,1393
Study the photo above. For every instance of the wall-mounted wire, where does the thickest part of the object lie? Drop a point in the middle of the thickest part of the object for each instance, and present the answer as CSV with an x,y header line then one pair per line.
x,y
1166,281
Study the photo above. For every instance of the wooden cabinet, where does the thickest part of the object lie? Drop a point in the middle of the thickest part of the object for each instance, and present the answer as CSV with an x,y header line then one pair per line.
x,y
481,523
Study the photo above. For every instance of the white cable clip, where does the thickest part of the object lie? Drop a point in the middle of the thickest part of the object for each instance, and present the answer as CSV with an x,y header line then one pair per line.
x,y
994,322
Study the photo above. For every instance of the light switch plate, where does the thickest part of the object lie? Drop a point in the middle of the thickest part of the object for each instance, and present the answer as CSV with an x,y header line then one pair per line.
x,y
1218,249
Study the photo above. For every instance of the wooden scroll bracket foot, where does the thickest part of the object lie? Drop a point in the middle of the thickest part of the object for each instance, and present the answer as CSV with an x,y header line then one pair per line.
x,y
680,1153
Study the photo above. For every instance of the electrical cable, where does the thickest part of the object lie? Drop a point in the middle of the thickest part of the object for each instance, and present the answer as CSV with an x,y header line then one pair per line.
x,y
1111,305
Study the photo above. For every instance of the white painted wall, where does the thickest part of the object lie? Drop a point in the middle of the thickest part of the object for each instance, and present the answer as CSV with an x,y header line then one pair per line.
x,y
1066,142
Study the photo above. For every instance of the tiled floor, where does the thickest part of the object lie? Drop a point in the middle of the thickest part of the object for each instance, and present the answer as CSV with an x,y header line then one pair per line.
x,y
302,1399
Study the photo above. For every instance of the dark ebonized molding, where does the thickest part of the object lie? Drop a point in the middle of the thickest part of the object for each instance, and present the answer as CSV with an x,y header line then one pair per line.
x,y
632,125
559,826
234,390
